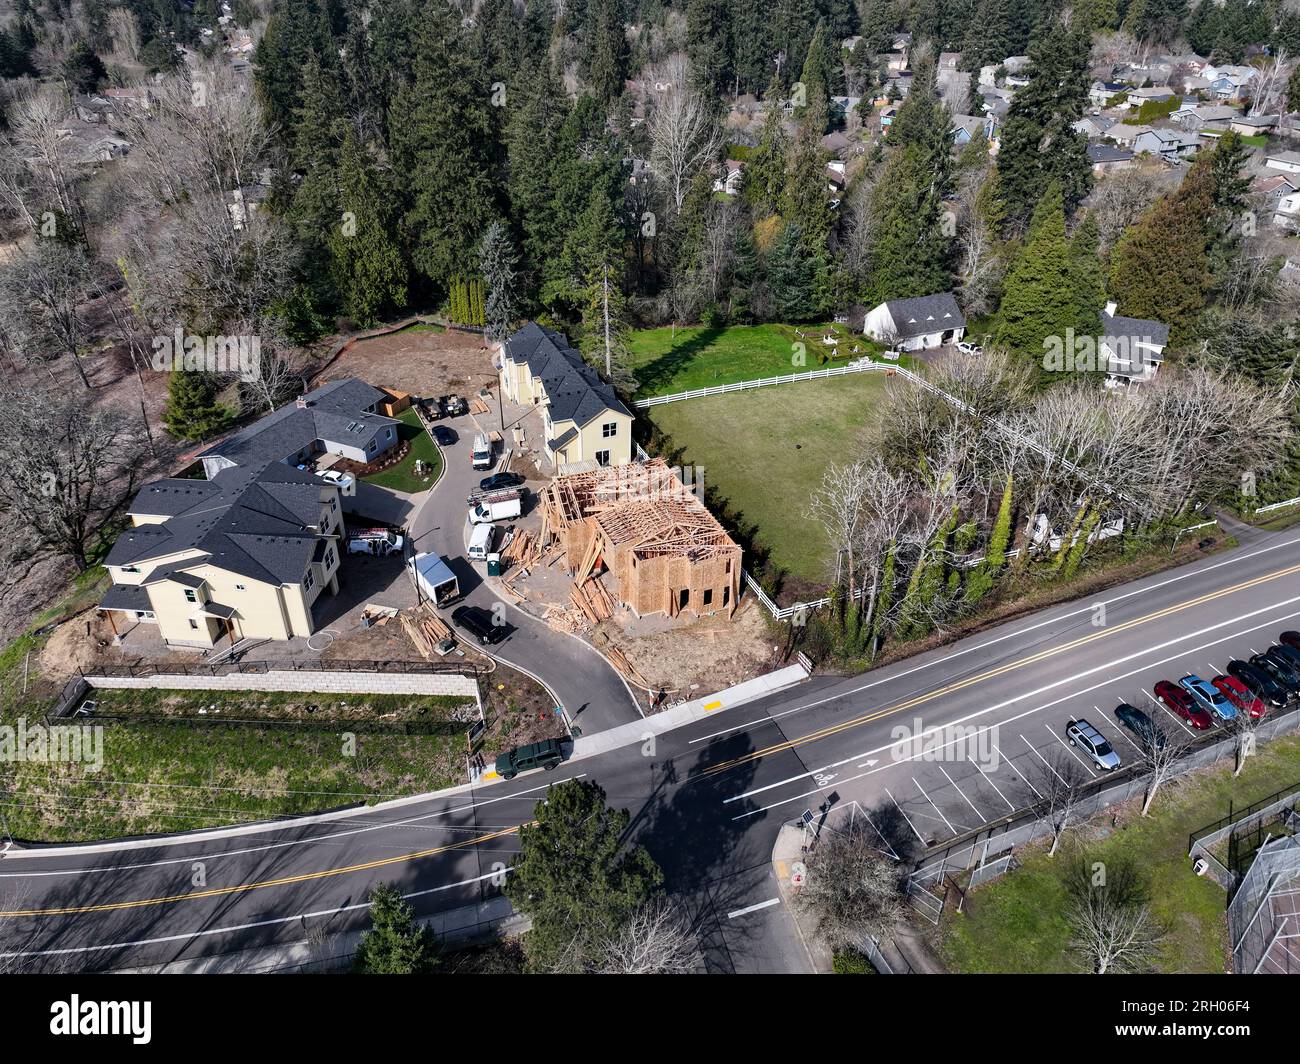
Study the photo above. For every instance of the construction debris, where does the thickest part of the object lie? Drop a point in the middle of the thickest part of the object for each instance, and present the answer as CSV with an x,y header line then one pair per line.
x,y
619,660
663,547
426,631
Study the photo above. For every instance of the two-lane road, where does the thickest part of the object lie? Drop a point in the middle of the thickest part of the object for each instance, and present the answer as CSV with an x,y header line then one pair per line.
x,y
707,799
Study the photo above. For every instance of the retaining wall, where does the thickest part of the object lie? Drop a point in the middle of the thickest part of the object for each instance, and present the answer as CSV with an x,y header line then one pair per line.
x,y
325,682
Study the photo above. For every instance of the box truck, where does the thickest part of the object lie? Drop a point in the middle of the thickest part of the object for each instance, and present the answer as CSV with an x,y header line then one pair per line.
x,y
435,580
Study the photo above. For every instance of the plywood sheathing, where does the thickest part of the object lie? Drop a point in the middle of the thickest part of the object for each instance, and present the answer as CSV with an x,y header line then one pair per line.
x,y
664,548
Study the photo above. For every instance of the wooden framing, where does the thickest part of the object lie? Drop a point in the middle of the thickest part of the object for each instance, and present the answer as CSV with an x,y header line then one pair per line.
x,y
664,548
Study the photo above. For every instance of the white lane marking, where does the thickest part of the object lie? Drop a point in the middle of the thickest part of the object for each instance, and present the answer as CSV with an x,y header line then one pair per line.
x,y
753,908
947,657
1119,730
962,793
993,785
1012,763
188,935
904,815
1070,750
1043,760
191,858
936,808
1051,686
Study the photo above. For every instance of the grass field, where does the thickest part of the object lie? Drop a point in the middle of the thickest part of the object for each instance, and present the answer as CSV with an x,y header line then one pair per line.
x,y
669,359
401,477
765,450
1017,923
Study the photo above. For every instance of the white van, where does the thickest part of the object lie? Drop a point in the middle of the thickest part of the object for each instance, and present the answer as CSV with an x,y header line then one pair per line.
x,y
480,542
481,452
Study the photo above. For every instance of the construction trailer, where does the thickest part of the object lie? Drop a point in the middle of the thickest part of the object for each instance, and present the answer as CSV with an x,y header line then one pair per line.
x,y
665,550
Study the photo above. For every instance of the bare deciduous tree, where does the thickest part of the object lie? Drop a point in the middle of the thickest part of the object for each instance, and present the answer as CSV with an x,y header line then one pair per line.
x,y
1060,790
684,136
1112,929
852,890
1159,753
43,292
655,941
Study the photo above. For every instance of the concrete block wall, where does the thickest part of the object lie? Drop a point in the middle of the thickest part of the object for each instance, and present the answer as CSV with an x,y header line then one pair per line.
x,y
379,683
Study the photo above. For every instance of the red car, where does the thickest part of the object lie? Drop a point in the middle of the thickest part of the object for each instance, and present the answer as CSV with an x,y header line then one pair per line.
x,y
1180,704
1240,695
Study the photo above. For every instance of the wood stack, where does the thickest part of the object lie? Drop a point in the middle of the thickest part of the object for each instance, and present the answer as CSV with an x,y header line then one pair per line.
x,y
522,549
563,620
478,406
593,601
620,662
426,632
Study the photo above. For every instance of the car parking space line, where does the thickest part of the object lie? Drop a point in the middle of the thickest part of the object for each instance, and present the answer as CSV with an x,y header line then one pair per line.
x,y
936,808
963,794
1120,732
1177,718
1011,762
904,815
992,784
1070,750
1043,760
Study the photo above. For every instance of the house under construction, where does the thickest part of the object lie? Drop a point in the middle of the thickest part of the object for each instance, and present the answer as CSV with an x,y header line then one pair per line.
x,y
663,547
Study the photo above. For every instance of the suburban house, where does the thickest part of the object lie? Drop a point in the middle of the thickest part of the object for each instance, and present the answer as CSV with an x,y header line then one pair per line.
x,y
1168,144
966,128
1107,157
245,552
1288,162
1102,92
583,420
916,324
1132,348
1137,97
1124,134
1286,213
1205,116
1254,125
733,171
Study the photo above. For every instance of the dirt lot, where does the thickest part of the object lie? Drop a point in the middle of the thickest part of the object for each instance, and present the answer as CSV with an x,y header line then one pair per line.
x,y
696,658
416,361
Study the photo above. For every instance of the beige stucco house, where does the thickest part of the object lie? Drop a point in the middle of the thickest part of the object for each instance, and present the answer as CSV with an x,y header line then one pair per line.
x,y
245,553
582,419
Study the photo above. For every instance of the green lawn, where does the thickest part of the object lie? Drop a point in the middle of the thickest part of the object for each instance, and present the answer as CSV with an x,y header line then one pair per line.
x,y
678,359
765,450
401,477
1016,923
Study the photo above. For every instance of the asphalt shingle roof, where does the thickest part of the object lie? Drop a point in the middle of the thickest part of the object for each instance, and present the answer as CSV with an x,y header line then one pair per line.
x,y
576,391
925,314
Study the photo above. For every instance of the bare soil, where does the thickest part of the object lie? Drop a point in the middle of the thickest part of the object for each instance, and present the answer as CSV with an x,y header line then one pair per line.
x,y
419,362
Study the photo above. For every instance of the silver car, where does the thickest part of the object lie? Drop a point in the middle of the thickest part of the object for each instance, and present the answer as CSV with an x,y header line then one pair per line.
x,y
1088,739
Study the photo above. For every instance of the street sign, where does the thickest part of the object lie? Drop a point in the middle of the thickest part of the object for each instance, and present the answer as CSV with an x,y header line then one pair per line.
x,y
807,817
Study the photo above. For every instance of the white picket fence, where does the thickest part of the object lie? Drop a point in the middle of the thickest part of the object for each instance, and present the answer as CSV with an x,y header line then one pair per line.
x,y
740,386
1277,506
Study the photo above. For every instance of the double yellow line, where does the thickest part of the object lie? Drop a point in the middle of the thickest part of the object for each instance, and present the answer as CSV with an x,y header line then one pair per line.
x,y
1001,670
217,892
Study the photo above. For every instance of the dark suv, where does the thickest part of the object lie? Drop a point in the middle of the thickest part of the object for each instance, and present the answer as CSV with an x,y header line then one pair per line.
x,y
478,623
547,754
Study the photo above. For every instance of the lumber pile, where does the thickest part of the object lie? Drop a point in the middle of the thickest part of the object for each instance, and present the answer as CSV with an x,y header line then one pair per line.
x,y
523,549
478,406
426,632
562,620
621,663
593,601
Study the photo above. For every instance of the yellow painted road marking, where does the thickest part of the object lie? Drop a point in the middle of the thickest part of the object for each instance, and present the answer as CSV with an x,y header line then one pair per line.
x,y
241,887
1010,666
709,707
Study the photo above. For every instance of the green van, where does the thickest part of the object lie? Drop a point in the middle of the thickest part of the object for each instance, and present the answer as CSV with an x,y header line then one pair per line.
x,y
547,754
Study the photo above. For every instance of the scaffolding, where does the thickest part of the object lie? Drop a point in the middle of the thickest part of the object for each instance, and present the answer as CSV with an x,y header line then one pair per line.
x,y
666,552
1264,916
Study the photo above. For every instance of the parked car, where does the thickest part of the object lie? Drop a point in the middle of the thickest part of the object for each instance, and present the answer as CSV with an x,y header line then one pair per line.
x,y
1259,681
345,482
1280,669
1141,725
968,348
1208,697
1290,638
444,436
1242,696
1289,654
478,623
377,541
1093,743
497,481
547,754
1180,704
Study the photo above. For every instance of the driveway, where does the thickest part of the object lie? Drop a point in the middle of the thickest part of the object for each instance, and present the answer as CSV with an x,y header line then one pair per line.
x,y
590,689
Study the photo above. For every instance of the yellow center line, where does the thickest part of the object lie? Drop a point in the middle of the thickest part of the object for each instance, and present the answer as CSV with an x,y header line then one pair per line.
x,y
217,892
1000,670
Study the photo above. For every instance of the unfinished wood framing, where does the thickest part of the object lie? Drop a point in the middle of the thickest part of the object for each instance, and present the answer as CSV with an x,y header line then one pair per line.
x,y
663,547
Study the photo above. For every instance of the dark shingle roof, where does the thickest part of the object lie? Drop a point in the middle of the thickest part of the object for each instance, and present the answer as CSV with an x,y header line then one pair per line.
x,y
925,314
576,391
1134,329
1107,153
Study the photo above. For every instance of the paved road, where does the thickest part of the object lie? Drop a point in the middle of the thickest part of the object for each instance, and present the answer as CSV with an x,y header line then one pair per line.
x,y
591,690
706,799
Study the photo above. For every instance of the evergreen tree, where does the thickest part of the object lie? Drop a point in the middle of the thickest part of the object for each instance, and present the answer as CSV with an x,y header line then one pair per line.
x,y
985,575
709,46
576,876
193,411
499,263
1041,303
604,50
1039,145
439,136
911,251
765,173
1086,276
395,943
818,79
792,277
367,265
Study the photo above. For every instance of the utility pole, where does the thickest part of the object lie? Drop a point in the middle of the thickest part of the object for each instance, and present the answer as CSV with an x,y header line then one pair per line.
x,y
501,412
605,289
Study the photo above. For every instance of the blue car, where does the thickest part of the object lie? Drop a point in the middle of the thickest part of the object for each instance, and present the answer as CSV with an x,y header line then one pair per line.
x,y
1208,697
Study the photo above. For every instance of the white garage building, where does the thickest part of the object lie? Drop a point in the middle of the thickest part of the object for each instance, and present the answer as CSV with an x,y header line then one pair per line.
x,y
915,324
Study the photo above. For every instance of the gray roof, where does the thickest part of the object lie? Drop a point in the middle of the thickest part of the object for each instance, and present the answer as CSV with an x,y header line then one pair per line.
x,y
1133,329
126,597
925,314
563,438
1107,153
257,518
576,391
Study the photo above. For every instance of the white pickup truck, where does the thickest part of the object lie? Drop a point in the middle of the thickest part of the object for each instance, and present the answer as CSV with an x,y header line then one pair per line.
x,y
377,541
496,506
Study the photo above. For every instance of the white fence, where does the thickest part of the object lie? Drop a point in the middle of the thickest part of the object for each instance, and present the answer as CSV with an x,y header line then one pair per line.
x,y
789,378
1277,506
